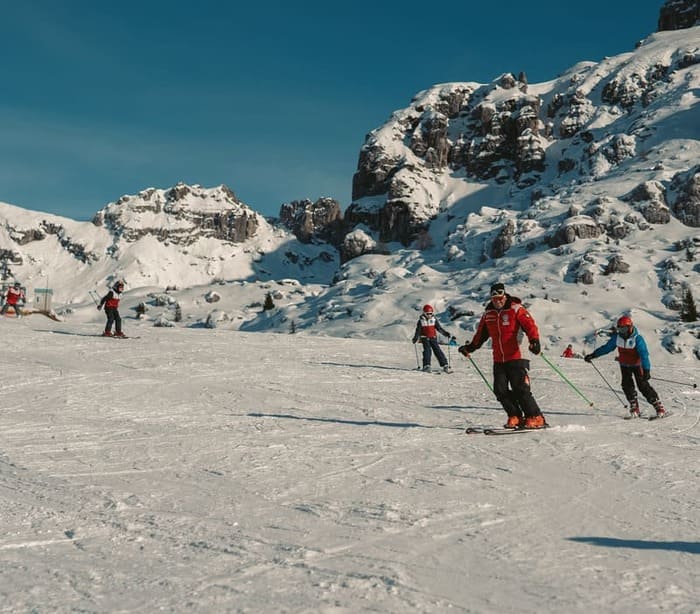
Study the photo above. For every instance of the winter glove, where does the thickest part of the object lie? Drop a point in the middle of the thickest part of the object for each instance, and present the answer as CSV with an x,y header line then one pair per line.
x,y
465,350
646,374
589,357
99,307
535,346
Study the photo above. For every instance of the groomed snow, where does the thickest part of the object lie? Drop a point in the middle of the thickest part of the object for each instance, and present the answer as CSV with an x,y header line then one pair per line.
x,y
194,470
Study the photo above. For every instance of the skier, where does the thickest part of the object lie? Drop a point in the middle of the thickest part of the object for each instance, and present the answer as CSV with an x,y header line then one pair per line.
x,y
502,321
568,352
427,329
111,305
14,296
635,365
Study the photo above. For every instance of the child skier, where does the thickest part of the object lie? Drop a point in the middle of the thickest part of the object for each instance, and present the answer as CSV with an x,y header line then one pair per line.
x,y
427,329
635,365
111,305
13,298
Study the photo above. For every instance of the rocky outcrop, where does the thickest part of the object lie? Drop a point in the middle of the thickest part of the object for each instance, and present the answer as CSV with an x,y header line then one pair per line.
x,y
180,215
320,221
649,198
679,14
503,242
577,227
616,265
686,204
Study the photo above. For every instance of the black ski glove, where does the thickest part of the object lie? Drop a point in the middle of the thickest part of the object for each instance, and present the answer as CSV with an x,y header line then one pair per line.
x,y
646,374
535,346
589,357
99,307
465,350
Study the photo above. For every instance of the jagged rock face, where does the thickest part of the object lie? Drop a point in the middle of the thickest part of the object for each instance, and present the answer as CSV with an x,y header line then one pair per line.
x,y
616,265
504,240
591,122
686,205
580,226
313,221
679,14
649,198
180,215
24,236
455,128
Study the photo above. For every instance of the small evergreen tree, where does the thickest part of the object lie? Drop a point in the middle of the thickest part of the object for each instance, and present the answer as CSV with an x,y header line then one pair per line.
x,y
689,312
292,327
178,312
269,303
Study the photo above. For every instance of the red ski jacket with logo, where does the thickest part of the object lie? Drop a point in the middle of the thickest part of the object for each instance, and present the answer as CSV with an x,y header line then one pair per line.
x,y
504,326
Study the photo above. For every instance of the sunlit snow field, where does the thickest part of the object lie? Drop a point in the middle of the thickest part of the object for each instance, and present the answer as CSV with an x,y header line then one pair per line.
x,y
218,471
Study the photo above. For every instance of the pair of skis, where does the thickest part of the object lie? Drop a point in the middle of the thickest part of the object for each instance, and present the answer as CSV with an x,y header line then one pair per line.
x,y
654,417
476,430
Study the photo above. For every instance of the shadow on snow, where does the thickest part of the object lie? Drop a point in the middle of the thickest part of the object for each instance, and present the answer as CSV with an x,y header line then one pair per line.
x,y
639,544
401,425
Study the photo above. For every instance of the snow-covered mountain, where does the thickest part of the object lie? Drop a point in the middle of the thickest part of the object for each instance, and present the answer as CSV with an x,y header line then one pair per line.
x,y
581,193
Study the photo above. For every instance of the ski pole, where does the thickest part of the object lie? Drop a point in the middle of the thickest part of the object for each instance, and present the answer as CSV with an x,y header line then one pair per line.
x,y
94,300
415,347
471,360
670,381
609,386
566,379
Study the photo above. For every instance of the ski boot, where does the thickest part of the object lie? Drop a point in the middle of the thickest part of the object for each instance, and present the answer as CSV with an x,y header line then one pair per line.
x,y
660,409
514,422
634,408
535,422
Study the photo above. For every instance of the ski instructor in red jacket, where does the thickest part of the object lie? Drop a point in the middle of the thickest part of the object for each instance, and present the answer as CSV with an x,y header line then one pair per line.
x,y
502,321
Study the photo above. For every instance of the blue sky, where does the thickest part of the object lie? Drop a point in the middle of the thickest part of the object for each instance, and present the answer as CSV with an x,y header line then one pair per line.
x,y
102,99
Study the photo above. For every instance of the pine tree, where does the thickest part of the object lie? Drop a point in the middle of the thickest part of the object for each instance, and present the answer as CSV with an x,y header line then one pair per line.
x,y
689,312
269,303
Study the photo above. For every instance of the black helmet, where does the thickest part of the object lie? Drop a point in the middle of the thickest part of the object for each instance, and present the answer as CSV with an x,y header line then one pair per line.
x,y
18,285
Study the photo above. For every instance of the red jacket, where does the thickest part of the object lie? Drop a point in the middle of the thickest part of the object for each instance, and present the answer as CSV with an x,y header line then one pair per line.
x,y
111,299
14,295
503,327
428,326
568,353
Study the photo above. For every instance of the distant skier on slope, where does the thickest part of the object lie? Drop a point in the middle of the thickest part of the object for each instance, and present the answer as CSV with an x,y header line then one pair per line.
x,y
427,329
110,301
568,352
502,321
13,298
635,365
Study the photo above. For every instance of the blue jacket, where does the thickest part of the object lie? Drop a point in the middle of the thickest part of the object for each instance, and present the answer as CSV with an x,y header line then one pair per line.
x,y
633,352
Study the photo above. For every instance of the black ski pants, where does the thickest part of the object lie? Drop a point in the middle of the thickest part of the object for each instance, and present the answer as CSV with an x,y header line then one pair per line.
x,y
630,375
430,344
113,317
511,384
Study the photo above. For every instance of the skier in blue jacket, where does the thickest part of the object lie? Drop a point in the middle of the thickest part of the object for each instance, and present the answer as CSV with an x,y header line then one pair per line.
x,y
635,365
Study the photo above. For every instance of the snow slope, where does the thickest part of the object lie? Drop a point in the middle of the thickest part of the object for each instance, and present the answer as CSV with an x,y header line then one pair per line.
x,y
220,471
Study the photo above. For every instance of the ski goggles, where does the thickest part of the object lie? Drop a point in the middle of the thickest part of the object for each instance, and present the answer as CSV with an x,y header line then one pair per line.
x,y
498,293
623,330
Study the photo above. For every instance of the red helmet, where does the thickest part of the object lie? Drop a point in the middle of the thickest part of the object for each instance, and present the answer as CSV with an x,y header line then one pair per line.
x,y
625,327
427,309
